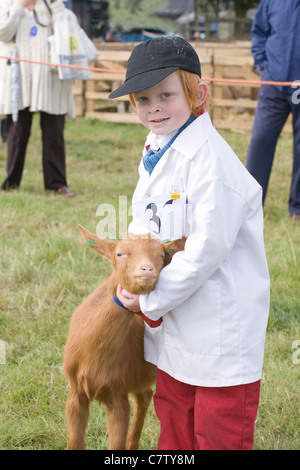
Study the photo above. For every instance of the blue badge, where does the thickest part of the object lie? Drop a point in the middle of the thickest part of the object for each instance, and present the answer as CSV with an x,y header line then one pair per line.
x,y
33,31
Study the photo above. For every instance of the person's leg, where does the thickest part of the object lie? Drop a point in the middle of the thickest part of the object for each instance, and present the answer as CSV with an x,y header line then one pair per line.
x,y
270,116
225,417
54,158
294,199
3,130
18,134
174,406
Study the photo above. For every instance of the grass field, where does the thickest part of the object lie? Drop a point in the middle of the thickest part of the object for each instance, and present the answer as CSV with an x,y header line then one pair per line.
x,y
45,272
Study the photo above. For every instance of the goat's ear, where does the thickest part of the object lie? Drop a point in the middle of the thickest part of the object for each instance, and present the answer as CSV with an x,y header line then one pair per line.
x,y
172,247
103,246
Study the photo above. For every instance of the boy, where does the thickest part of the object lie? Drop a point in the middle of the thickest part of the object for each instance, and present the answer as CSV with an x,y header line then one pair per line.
x,y
214,296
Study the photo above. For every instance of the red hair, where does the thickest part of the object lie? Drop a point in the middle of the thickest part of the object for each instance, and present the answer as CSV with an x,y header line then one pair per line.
x,y
190,84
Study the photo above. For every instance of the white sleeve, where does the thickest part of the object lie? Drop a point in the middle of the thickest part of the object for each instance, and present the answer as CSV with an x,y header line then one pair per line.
x,y
9,20
217,217
57,7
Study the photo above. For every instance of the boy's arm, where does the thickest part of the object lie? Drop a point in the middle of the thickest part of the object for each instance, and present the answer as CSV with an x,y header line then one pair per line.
x,y
219,216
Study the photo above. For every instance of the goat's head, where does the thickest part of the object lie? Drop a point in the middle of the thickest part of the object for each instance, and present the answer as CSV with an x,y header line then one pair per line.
x,y
137,259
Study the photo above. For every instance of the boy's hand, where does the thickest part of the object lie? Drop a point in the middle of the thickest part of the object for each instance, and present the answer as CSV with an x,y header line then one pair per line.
x,y
130,301
29,4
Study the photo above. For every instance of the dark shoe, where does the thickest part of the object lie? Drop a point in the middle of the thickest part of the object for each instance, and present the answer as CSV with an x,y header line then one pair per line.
x,y
65,191
296,218
8,186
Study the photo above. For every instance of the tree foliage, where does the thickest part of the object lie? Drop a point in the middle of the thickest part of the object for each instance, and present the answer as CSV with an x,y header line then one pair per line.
x,y
214,6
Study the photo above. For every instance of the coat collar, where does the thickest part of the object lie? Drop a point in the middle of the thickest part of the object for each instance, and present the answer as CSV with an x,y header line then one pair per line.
x,y
187,143
194,136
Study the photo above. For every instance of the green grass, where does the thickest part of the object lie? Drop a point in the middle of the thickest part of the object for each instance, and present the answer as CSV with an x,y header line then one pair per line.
x,y
45,272
133,13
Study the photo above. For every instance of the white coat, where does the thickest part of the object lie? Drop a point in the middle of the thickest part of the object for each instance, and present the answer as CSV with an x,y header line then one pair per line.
x,y
41,89
214,295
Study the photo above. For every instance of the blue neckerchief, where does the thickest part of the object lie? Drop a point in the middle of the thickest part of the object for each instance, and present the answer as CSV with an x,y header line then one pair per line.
x,y
150,159
118,302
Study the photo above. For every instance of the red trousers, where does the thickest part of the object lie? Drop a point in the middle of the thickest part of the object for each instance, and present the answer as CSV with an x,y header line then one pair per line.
x,y
205,418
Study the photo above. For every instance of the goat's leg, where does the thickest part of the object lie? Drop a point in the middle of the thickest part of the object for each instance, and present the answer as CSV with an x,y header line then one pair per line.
x,y
117,421
141,404
77,412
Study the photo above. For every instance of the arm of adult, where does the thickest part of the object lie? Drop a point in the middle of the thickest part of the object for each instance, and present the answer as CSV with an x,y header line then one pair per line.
x,y
10,16
260,32
29,4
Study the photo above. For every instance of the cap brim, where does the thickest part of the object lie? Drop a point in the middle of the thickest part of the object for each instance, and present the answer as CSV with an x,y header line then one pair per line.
x,y
142,81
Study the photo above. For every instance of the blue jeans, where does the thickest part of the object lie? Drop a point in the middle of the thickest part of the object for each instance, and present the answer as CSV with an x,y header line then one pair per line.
x,y
271,114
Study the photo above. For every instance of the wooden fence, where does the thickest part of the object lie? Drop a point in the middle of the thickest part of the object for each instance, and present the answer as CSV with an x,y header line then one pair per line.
x,y
234,104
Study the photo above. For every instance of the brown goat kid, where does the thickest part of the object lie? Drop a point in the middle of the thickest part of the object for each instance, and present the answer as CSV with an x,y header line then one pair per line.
x,y
104,353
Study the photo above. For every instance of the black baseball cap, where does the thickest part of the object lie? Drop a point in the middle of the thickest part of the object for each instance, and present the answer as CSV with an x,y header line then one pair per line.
x,y
153,60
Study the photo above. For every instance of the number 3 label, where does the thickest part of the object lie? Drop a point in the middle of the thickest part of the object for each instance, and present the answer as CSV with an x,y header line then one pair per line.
x,y
163,216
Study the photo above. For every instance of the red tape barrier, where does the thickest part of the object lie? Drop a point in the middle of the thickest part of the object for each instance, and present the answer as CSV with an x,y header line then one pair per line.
x,y
294,84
